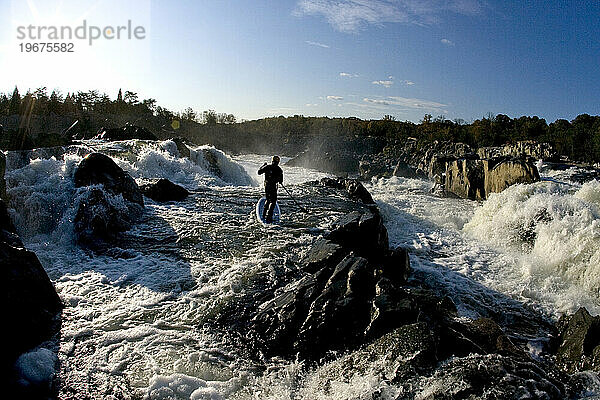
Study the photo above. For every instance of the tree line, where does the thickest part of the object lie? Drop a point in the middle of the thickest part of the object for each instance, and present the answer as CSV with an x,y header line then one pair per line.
x,y
40,102
578,139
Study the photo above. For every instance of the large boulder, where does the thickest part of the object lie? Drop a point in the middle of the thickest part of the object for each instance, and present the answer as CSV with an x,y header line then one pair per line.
x,y
353,187
99,169
331,307
466,178
476,179
31,304
363,233
164,190
105,211
502,174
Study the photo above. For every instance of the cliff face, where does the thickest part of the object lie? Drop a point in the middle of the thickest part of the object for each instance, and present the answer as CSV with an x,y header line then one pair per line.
x,y
476,178
522,149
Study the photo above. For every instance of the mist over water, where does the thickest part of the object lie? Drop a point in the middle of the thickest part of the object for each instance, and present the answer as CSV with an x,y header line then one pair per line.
x,y
138,321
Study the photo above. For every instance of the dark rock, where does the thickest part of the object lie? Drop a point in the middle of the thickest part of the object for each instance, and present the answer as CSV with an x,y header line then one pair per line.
x,y
396,265
323,254
337,317
8,233
100,214
182,148
98,217
362,233
579,347
374,166
30,301
165,190
405,352
357,191
127,132
337,154
402,169
100,169
490,377
482,336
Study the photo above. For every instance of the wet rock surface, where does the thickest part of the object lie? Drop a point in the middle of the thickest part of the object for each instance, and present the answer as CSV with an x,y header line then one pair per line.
x,y
354,306
112,202
31,304
579,342
164,190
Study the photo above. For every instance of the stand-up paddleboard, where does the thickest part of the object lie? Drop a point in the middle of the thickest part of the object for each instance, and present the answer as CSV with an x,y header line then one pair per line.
x,y
260,206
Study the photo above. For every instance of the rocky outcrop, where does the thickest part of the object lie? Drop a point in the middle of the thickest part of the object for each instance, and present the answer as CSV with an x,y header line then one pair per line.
x,y
127,132
164,190
182,147
476,179
579,342
332,307
31,304
99,169
521,150
353,188
111,205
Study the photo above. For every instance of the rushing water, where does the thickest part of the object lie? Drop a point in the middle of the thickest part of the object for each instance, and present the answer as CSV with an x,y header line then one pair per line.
x,y
138,321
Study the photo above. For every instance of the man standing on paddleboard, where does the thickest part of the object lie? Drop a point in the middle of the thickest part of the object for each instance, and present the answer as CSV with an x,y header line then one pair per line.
x,y
273,176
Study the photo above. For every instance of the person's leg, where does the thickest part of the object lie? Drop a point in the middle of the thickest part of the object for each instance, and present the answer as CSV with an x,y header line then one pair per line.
x,y
268,196
272,202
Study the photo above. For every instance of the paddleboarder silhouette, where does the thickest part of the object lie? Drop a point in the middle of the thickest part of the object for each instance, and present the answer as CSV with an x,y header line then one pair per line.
x,y
273,176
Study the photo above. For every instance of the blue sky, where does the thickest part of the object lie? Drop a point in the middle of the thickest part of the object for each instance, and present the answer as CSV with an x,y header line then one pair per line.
x,y
458,58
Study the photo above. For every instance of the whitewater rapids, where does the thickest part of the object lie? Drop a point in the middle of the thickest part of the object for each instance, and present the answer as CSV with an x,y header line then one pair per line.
x,y
138,318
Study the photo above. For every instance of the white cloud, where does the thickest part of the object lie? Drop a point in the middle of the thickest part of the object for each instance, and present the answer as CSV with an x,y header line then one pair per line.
x,y
317,44
406,102
387,84
336,98
351,15
348,75
447,42
408,83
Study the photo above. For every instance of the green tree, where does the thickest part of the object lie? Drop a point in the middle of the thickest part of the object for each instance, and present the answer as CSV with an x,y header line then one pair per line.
x,y
15,103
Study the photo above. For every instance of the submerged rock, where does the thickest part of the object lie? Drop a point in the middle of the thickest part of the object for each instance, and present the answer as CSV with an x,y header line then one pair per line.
x,y
103,212
165,190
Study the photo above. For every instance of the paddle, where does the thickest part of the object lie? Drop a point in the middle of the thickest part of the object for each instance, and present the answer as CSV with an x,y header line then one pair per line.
x,y
295,201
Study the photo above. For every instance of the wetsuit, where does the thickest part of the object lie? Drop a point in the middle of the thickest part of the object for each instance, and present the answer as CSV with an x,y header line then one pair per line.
x,y
273,176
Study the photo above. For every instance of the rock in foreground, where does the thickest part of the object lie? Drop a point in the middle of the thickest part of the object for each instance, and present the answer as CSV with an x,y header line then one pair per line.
x,y
31,304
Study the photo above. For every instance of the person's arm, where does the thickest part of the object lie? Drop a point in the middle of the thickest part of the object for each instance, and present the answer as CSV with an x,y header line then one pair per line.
x,y
280,176
261,170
